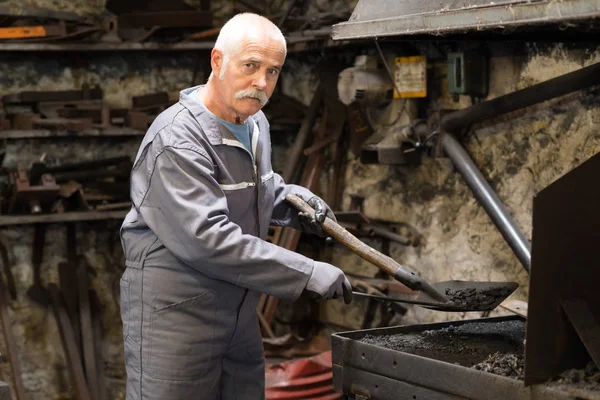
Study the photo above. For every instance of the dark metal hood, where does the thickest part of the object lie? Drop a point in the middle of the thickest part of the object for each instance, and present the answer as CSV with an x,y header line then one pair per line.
x,y
380,18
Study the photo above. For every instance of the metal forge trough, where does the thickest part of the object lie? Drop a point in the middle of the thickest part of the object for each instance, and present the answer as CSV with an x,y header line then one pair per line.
x,y
433,362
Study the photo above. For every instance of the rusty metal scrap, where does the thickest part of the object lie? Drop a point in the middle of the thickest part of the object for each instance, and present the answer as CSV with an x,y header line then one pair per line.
x,y
36,197
69,187
77,112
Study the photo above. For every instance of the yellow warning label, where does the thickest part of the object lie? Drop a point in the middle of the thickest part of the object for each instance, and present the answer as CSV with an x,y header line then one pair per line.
x,y
411,77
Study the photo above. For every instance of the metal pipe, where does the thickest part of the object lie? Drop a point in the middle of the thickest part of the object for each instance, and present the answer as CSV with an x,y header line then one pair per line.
x,y
385,233
564,84
486,196
454,122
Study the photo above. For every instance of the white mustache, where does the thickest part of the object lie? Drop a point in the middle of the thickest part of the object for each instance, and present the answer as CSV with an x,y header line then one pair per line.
x,y
254,94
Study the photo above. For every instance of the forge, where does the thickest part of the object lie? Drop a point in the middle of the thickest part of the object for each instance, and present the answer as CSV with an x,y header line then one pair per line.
x,y
443,361
553,354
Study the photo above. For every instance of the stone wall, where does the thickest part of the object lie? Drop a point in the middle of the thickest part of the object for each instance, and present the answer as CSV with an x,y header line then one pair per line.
x,y
121,75
519,154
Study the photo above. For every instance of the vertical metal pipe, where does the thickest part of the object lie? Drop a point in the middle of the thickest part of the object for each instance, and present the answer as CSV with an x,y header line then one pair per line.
x,y
488,199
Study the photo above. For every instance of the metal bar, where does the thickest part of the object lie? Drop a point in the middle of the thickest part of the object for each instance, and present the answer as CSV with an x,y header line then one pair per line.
x,y
11,346
87,328
8,220
150,100
386,233
559,86
69,345
91,175
10,279
67,278
486,196
204,34
97,326
36,291
107,46
59,96
90,164
47,133
166,19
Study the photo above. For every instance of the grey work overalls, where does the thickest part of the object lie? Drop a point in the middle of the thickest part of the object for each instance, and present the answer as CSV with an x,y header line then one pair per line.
x,y
197,260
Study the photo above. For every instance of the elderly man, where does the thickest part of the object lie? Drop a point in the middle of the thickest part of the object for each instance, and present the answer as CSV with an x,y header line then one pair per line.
x,y
204,195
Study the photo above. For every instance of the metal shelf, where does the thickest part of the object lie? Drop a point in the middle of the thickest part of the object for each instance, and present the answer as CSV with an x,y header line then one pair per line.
x,y
9,220
182,46
382,18
47,133
295,44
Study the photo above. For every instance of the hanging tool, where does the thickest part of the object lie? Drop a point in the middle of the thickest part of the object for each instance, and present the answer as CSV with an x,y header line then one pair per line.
x,y
442,296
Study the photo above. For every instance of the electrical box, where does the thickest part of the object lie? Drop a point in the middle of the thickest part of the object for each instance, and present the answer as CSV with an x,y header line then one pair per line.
x,y
467,73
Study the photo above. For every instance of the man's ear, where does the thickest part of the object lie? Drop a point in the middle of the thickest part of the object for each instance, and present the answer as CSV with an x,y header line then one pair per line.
x,y
216,61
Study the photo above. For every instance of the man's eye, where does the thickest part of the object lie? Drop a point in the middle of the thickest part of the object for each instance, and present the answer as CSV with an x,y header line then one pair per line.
x,y
273,72
249,65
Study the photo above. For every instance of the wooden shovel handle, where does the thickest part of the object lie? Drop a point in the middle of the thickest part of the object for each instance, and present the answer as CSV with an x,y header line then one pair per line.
x,y
378,259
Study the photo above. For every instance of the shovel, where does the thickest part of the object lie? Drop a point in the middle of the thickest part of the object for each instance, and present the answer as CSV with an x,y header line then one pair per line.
x,y
442,296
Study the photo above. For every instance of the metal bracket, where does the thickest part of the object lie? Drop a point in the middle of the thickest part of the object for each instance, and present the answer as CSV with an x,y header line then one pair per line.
x,y
359,392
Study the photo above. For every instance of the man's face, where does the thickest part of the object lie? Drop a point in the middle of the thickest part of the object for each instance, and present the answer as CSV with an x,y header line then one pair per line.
x,y
247,80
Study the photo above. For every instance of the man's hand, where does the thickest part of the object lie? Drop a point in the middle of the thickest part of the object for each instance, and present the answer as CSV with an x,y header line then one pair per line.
x,y
313,223
328,282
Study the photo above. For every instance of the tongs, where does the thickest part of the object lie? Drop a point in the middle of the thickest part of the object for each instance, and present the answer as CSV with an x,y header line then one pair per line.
x,y
443,296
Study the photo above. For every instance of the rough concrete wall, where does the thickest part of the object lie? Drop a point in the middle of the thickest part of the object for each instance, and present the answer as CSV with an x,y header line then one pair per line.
x,y
121,76
81,7
519,154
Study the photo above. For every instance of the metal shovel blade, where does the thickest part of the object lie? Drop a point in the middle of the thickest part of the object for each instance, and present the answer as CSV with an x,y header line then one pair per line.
x,y
462,296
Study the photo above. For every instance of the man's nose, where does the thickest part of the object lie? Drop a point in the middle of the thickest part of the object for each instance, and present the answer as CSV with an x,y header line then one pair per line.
x,y
260,82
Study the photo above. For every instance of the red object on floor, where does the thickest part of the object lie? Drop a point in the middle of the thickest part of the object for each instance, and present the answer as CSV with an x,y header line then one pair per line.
x,y
308,378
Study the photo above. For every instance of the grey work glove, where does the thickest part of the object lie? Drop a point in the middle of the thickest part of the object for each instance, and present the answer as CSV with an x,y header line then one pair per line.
x,y
328,282
313,223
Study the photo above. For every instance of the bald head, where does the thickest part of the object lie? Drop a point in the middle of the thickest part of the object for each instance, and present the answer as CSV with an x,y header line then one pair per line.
x,y
243,28
247,59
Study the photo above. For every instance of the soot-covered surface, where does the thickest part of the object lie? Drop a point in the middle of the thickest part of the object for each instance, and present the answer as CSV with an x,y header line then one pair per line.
x,y
477,299
511,365
466,344
587,378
